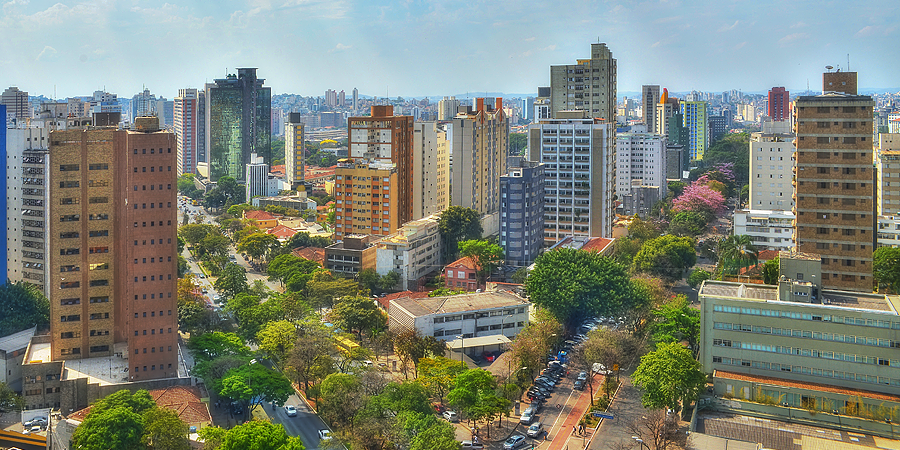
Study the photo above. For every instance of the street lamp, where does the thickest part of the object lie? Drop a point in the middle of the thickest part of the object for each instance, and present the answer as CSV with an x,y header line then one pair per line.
x,y
643,444
462,346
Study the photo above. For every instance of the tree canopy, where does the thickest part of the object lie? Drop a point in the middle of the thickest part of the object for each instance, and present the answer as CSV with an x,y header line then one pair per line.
x,y
355,314
666,256
669,376
127,421
255,383
22,306
458,224
484,255
256,435
573,284
886,267
232,281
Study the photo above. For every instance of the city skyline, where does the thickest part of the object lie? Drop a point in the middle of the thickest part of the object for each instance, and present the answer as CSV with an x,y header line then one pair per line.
x,y
309,46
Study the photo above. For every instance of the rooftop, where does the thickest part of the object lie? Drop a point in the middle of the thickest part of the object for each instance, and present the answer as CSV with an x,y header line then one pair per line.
x,y
38,353
799,255
184,400
809,386
258,215
16,341
462,263
103,371
588,244
458,303
769,293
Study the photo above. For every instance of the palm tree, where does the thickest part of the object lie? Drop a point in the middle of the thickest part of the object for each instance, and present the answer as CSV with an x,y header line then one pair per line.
x,y
736,250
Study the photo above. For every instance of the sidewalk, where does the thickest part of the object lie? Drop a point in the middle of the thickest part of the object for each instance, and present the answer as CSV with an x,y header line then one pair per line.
x,y
564,438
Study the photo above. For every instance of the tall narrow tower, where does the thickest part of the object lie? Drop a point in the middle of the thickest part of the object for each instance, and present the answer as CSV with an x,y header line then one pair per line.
x,y
649,100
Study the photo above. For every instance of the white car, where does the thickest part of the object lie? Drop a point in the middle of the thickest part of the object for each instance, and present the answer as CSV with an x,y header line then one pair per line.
x,y
451,416
325,435
290,410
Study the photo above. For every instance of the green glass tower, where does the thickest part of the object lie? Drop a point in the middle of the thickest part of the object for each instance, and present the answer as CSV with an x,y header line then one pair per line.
x,y
238,115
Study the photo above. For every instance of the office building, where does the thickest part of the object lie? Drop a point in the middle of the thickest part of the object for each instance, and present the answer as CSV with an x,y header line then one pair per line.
x,y
294,150
888,231
257,178
835,190
649,100
589,85
665,110
165,111
186,129
238,123
365,198
16,102
202,123
479,147
26,199
779,105
541,104
350,256
447,108
386,138
767,229
717,128
522,211
772,167
696,120
431,169
640,159
105,102
414,252
579,168
112,249
143,104
799,346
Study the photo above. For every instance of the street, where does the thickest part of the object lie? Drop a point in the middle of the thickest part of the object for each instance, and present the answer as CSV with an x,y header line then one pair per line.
x,y
306,425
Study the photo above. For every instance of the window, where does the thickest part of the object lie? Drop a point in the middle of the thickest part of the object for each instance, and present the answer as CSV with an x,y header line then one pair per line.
x,y
68,167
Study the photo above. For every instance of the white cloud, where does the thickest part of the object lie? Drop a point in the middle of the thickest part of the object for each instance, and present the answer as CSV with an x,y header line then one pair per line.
x,y
340,47
47,53
729,28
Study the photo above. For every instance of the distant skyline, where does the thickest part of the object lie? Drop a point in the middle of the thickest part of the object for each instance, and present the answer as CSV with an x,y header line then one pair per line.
x,y
430,48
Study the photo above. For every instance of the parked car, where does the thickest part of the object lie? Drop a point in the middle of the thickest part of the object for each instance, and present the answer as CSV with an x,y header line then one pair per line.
x,y
579,385
290,410
535,430
38,420
514,442
451,416
324,435
582,376
526,417
471,445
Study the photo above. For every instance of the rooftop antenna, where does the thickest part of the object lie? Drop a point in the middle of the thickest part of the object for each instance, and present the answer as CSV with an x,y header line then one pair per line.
x,y
848,62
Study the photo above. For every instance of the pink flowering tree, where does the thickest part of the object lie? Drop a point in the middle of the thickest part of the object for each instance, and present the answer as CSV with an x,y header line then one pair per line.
x,y
700,198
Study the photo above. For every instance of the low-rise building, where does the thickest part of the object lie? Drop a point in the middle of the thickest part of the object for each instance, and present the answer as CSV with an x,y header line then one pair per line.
x,y
603,246
795,346
414,252
300,202
769,230
469,322
640,199
12,355
888,231
263,219
461,275
350,256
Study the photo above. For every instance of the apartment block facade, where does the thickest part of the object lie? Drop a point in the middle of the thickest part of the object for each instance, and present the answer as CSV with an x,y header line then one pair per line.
x,y
772,167
768,229
479,147
579,169
385,137
835,183
641,158
186,127
649,100
588,85
294,151
431,169
522,211
779,104
414,252
16,102
113,250
366,199
696,120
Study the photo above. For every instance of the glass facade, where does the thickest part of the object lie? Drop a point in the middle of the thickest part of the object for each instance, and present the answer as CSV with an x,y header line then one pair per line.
x,y
240,112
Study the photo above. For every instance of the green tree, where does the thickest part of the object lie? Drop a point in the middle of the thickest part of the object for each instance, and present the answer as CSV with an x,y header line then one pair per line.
x,y
573,284
164,430
323,288
213,371
310,359
518,143
770,270
292,270
114,429
193,233
10,401
666,257
238,210
736,252
520,275
535,342
389,281
232,281
258,244
886,268
625,249
441,436
276,339
670,377
187,188
458,224
22,306
303,240
675,321
259,435
209,346
253,315
475,393
641,230
213,244
255,383
411,347
732,148
688,223
212,437
697,277
358,315
438,373
484,255
341,399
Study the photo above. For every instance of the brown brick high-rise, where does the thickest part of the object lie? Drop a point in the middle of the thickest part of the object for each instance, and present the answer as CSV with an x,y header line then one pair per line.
x,y
113,258
834,188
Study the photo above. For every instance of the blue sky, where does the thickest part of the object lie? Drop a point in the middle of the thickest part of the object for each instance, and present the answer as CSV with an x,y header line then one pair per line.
x,y
418,47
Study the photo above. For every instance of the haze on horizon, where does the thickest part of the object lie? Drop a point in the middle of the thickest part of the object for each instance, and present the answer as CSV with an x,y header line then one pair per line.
x,y
418,48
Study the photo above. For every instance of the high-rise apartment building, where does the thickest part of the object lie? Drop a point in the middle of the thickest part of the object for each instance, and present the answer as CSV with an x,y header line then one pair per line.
x,y
665,109
772,167
479,147
779,105
589,85
202,123
355,100
294,151
447,108
384,137
431,170
579,166
257,178
27,197
640,160
16,103
696,120
835,186
331,98
522,211
186,129
649,100
887,164
5,199
165,110
113,249
365,198
238,123
143,104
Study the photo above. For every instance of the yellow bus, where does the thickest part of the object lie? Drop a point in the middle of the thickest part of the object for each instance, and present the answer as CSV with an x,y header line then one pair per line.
x,y
345,345
194,202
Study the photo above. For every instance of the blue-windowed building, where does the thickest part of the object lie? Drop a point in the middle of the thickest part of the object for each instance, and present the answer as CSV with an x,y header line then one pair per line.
x,y
522,211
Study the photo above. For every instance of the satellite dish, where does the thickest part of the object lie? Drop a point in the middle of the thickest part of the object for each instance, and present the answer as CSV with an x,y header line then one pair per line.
x,y
829,67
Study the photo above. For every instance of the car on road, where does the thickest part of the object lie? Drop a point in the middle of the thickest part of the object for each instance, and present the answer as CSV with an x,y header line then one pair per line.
x,y
535,430
324,435
526,416
216,298
514,442
204,291
290,410
579,385
582,376
202,276
450,416
472,445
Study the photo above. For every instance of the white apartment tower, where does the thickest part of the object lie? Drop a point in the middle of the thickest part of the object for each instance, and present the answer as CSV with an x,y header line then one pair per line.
x,y
186,129
579,174
257,176
447,108
640,159
431,170
772,167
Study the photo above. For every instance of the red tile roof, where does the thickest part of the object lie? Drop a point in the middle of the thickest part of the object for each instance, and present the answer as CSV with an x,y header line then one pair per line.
x,y
766,255
311,253
184,400
258,215
462,263
597,245
282,232
809,386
